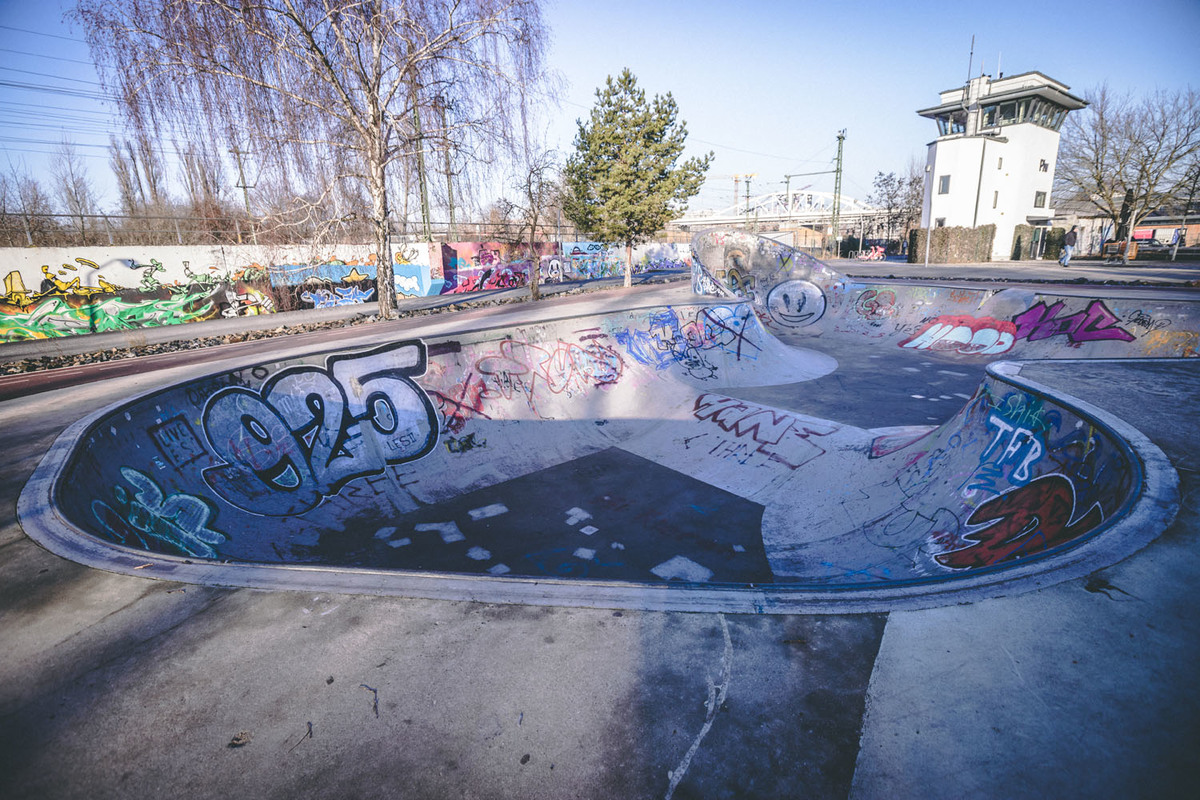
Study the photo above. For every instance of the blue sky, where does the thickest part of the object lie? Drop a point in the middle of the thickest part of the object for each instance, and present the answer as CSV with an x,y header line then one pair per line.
x,y
764,85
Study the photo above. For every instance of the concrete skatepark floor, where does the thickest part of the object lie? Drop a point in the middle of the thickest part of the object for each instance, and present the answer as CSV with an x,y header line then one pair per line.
x,y
116,685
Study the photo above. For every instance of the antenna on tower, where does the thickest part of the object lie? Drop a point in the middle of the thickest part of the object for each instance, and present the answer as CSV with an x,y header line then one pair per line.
x,y
971,60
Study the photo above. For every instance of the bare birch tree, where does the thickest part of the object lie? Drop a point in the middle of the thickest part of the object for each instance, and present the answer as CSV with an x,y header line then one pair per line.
x,y
73,187
304,79
29,204
124,169
1127,154
537,183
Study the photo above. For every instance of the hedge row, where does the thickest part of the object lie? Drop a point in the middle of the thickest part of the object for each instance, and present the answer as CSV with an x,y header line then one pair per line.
x,y
952,245
1022,249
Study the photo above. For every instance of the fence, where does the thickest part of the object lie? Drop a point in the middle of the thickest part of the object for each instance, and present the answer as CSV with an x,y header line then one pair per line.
x,y
87,230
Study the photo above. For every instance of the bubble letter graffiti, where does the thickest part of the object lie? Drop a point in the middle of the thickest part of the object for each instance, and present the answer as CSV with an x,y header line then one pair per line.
x,y
309,431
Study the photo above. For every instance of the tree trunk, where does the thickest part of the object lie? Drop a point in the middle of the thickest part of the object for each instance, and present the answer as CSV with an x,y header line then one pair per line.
x,y
385,283
535,268
628,264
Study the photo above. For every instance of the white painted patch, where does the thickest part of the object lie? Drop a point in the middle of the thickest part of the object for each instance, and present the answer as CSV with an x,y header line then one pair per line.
x,y
588,530
576,516
951,372
479,554
683,568
917,396
447,530
494,510
737,548
618,546
910,369
499,569
585,553
405,542
384,533
963,396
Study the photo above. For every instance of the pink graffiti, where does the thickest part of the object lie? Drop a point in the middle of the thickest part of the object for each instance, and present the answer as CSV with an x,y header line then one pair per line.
x,y
1094,323
463,402
521,368
876,304
970,336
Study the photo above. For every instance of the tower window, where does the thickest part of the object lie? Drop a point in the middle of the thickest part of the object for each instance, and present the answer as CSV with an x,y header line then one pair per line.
x,y
995,199
1039,199
944,184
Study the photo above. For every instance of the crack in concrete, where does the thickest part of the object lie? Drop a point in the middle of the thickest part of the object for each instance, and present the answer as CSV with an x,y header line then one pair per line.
x,y
716,698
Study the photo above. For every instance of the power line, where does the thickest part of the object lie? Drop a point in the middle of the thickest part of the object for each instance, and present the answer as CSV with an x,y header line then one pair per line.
x,y
39,33
43,55
56,90
42,108
163,151
51,75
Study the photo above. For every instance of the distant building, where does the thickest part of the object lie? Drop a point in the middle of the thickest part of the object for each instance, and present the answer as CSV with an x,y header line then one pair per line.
x,y
993,160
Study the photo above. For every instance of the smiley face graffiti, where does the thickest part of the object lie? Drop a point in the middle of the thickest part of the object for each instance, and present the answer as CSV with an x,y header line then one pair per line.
x,y
795,303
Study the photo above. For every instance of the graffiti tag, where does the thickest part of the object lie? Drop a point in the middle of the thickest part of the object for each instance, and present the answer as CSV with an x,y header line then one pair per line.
x,y
1022,522
966,335
876,304
177,521
339,296
308,431
1095,323
779,436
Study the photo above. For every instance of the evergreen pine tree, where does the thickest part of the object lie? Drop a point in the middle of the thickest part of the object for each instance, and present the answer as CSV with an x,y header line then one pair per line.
x,y
623,184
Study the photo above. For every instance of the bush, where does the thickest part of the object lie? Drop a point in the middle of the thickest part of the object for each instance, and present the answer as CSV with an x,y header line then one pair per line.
x,y
952,245
1022,248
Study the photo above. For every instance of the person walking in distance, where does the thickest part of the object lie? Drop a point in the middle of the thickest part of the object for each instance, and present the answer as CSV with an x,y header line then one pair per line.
x,y
1068,247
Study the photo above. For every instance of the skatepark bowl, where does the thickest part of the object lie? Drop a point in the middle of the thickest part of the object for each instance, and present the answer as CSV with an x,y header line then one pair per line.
x,y
611,459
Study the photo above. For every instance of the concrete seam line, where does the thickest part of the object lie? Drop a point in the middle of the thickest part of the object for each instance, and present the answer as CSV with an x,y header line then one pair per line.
x,y
716,698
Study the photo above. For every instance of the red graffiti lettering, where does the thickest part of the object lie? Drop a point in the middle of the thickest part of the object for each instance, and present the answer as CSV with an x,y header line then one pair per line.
x,y
1022,522
966,335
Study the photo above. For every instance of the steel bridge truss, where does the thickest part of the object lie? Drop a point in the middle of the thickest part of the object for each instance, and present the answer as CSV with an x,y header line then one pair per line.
x,y
800,207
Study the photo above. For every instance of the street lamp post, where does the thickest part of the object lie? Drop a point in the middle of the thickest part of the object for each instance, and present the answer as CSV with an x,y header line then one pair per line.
x,y
929,221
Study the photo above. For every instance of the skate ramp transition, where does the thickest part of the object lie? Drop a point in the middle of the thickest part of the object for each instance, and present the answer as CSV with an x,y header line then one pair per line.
x,y
606,459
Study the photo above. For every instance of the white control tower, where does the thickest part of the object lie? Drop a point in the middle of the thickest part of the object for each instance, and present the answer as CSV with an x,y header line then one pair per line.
x,y
993,160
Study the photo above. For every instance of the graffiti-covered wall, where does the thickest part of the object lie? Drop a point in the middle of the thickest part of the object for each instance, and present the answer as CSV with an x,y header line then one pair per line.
x,y
794,294
53,292
359,458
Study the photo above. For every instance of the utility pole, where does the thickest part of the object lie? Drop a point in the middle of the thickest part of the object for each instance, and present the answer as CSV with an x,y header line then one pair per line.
x,y
440,104
787,183
748,177
241,184
837,192
420,139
